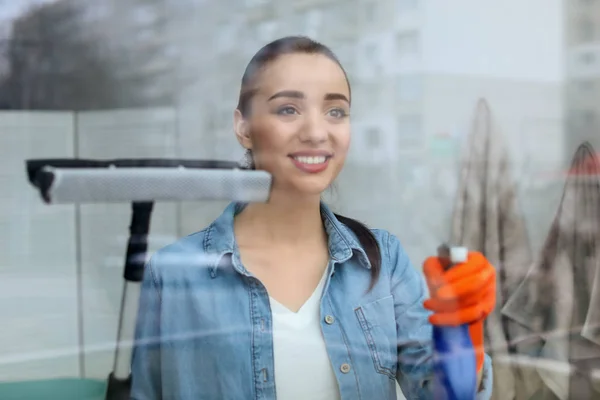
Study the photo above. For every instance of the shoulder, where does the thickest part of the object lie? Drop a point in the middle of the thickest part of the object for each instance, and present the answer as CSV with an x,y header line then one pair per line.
x,y
191,243
389,243
407,284
188,251
393,256
351,229
384,238
392,252
204,248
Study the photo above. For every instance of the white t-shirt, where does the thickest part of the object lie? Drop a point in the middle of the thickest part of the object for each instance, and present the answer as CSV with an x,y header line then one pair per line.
x,y
302,367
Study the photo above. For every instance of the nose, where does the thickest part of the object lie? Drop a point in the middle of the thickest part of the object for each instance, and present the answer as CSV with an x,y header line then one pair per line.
x,y
314,130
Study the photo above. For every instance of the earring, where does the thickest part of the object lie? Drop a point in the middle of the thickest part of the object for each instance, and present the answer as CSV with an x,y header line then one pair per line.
x,y
247,162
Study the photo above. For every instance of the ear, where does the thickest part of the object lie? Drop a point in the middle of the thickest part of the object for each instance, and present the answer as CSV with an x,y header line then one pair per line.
x,y
242,130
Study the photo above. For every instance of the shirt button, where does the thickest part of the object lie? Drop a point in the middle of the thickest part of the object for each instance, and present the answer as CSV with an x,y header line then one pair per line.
x,y
345,368
329,319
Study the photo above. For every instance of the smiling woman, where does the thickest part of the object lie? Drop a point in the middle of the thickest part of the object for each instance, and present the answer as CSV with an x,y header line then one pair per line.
x,y
286,299
315,160
282,108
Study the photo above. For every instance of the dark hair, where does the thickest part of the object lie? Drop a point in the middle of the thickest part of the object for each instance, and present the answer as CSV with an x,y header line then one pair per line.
x,y
272,51
268,54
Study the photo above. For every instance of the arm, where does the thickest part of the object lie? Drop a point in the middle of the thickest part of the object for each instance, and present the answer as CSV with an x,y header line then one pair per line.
x,y
145,367
414,331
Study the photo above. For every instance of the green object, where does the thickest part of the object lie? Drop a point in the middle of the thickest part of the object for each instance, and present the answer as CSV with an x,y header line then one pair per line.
x,y
443,146
54,389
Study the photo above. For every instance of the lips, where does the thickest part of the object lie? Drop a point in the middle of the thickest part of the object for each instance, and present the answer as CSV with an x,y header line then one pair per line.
x,y
313,162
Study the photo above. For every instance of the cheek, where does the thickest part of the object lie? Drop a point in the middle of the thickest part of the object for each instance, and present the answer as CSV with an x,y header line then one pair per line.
x,y
264,135
270,140
342,142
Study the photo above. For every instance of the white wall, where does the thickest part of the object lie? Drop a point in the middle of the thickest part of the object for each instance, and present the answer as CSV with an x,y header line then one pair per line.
x,y
38,306
104,228
40,243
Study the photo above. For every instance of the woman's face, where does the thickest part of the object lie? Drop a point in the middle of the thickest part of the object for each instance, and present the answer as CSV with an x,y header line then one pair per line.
x,y
298,127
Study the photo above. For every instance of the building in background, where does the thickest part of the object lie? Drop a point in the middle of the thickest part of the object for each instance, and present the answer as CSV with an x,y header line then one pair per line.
x,y
390,49
417,70
4,47
582,88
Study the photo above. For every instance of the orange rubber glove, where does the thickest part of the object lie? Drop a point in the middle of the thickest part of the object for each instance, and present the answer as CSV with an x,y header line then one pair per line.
x,y
463,294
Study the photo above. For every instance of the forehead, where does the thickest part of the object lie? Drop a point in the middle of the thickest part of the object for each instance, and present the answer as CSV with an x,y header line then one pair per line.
x,y
303,72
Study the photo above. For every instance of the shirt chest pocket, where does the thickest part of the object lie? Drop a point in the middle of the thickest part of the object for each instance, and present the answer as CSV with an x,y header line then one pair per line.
x,y
378,322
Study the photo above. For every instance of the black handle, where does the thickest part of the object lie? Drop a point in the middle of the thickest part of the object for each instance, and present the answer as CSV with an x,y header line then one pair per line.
x,y
137,246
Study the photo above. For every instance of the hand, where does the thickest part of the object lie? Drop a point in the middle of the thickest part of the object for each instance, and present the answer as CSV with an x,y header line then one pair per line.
x,y
463,294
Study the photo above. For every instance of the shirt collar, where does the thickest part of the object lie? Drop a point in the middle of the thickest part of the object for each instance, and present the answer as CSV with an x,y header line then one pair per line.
x,y
343,244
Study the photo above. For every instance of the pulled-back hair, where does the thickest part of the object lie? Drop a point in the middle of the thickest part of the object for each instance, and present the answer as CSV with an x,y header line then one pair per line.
x,y
271,52
304,45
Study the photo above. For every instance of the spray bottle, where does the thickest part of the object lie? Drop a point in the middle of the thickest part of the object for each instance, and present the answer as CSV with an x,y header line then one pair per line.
x,y
455,367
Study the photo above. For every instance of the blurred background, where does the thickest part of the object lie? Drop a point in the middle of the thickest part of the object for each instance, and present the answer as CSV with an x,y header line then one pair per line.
x,y
160,78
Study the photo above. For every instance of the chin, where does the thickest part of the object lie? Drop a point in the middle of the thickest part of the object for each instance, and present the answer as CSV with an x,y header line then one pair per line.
x,y
302,184
310,186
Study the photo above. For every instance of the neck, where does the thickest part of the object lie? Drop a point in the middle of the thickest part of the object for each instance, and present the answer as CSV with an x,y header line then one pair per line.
x,y
285,219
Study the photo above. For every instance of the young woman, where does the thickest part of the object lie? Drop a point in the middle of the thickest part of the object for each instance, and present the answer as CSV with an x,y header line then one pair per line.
x,y
287,300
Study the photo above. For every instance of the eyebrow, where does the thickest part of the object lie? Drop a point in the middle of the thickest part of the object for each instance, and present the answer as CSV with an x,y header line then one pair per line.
x,y
299,95
336,96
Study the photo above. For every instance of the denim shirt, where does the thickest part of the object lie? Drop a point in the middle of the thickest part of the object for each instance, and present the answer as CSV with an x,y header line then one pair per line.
x,y
204,321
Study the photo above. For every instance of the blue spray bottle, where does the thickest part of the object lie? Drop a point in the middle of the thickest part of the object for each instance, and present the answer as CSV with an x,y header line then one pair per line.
x,y
455,366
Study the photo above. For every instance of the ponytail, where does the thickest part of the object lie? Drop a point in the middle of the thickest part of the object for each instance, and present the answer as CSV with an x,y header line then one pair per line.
x,y
369,244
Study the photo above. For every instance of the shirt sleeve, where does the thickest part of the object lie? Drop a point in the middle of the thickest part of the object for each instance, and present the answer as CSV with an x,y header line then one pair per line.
x,y
146,360
414,332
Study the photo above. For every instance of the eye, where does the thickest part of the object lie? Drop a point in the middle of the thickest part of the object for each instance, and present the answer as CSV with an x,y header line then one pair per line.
x,y
338,113
287,110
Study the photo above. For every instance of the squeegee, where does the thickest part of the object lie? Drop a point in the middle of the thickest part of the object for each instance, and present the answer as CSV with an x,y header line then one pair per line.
x,y
141,182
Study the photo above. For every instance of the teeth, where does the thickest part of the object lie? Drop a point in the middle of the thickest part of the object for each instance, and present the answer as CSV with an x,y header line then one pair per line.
x,y
310,160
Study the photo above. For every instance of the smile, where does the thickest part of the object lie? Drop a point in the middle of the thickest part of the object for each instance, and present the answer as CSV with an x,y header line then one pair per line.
x,y
311,160
311,164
